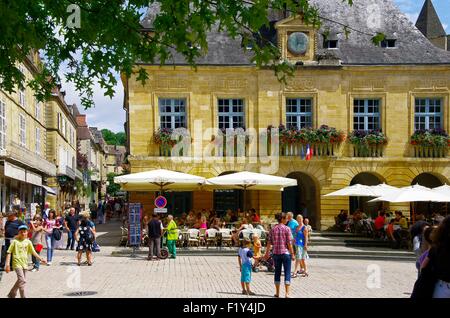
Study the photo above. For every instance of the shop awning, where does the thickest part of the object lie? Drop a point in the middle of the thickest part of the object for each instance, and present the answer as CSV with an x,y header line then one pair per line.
x,y
49,190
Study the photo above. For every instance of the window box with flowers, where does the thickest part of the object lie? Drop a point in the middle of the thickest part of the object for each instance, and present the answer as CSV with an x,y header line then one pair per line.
x,y
163,138
322,141
368,143
430,143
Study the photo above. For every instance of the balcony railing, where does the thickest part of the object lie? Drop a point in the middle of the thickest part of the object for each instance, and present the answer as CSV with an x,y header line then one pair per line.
x,y
430,152
300,150
368,151
29,158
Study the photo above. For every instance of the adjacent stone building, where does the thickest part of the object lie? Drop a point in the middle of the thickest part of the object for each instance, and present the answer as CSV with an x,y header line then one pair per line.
x,y
430,25
24,166
61,149
400,87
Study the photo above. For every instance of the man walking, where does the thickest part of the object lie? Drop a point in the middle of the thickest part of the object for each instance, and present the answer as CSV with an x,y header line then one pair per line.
x,y
11,230
154,234
71,224
46,211
172,236
280,239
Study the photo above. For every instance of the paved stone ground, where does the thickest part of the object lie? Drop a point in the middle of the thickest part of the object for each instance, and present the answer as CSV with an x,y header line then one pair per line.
x,y
207,276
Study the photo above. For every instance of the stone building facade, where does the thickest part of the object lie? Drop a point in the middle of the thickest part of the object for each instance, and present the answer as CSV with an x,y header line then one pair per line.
x,y
399,87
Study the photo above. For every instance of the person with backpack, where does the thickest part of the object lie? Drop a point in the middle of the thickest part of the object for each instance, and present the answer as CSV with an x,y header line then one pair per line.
x,y
85,236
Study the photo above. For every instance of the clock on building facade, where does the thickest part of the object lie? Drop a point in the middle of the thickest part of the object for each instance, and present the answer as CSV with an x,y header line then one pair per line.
x,y
298,43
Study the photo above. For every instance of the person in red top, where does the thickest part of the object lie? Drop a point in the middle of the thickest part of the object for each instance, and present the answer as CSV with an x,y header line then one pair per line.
x,y
255,216
379,221
280,239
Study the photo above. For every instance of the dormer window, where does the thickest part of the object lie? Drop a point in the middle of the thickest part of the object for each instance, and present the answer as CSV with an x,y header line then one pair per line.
x,y
331,44
388,43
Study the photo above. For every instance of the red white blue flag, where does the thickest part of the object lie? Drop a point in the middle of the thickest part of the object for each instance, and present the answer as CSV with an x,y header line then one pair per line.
x,y
309,152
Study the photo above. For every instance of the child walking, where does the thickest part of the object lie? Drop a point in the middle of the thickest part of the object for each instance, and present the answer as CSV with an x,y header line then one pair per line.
x,y
245,265
20,248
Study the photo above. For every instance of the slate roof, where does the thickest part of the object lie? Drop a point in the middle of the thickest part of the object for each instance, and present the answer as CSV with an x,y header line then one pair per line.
x,y
369,16
429,23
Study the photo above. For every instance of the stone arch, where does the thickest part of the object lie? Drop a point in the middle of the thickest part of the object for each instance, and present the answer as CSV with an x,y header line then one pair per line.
x,y
369,178
227,198
430,180
304,198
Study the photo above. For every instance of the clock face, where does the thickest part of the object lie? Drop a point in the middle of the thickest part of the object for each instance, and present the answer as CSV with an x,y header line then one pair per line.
x,y
298,43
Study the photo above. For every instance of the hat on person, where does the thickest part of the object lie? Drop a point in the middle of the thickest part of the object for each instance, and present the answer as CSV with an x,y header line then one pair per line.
x,y
23,227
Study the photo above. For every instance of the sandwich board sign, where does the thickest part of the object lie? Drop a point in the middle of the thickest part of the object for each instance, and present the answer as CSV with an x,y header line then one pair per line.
x,y
134,224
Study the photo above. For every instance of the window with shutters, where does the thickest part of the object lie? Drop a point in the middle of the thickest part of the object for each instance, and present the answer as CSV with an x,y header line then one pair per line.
x,y
2,124
22,131
21,92
37,110
37,145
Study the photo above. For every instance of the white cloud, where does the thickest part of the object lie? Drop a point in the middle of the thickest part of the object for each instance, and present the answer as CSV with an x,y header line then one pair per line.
x,y
107,113
412,17
445,26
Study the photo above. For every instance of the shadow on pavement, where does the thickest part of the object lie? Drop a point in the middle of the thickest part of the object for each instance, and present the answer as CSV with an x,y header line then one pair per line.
x,y
240,294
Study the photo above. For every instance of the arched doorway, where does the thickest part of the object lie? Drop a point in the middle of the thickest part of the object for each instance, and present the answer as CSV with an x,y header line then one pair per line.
x,y
369,208
228,199
303,198
428,208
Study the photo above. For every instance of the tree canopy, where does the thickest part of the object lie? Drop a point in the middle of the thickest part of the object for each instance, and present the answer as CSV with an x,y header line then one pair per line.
x,y
112,138
93,41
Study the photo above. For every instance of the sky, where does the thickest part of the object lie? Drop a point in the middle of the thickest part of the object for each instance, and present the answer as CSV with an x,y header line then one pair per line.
x,y
108,113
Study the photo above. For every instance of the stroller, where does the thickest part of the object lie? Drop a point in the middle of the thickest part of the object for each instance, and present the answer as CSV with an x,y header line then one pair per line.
x,y
269,264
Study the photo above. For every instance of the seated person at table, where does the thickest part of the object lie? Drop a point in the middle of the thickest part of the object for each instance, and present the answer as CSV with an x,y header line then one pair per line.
x,y
234,217
203,223
190,220
255,217
400,224
390,230
215,224
228,215
244,226
182,221
379,221
342,220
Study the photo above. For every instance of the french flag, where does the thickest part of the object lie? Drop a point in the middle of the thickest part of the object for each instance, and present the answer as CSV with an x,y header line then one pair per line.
x,y
309,153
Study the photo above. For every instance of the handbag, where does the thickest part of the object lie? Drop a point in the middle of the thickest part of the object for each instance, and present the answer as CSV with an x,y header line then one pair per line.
x,y
95,247
39,248
57,234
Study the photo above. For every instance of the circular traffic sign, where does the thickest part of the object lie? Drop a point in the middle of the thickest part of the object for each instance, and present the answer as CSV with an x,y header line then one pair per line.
x,y
160,202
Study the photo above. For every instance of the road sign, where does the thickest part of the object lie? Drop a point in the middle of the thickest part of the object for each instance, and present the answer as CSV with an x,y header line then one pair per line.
x,y
160,210
160,202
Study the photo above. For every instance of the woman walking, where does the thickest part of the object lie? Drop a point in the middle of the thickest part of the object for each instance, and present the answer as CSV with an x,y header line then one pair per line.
x,y
301,241
439,257
280,239
85,237
50,226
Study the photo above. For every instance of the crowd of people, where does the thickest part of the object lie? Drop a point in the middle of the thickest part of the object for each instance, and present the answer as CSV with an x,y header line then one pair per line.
x,y
287,242
24,236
